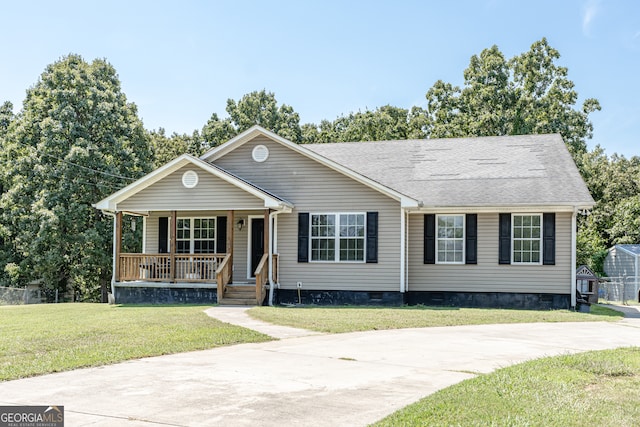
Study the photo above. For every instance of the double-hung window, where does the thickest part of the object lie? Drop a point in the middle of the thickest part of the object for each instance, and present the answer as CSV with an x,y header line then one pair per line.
x,y
450,239
196,235
527,238
338,237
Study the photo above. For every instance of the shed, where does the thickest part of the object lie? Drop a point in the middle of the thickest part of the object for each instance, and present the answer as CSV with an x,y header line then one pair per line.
x,y
587,284
621,265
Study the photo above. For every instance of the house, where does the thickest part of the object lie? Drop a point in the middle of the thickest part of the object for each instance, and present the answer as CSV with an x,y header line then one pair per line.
x,y
485,221
621,266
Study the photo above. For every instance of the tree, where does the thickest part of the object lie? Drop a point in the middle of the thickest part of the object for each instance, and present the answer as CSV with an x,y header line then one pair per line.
x,y
255,108
614,183
76,140
528,94
384,123
6,249
166,148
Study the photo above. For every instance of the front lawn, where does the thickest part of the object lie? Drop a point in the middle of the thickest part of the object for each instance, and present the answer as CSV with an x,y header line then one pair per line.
x,y
40,339
599,388
351,319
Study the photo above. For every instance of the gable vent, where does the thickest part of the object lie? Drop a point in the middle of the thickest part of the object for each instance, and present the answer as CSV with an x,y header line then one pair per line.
x,y
260,153
190,179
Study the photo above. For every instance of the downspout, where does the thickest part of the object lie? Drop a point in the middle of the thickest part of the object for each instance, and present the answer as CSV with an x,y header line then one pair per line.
x,y
272,240
402,249
113,256
406,263
635,288
574,231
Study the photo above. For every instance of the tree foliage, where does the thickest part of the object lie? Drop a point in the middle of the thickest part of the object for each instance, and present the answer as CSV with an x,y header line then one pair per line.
x,y
381,124
255,108
166,148
528,94
614,183
76,140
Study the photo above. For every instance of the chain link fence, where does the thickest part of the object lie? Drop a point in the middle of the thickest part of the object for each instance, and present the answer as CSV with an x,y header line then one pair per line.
x,y
12,296
16,296
619,289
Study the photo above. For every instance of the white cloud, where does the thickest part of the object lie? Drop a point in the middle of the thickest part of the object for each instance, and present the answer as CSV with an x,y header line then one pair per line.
x,y
589,12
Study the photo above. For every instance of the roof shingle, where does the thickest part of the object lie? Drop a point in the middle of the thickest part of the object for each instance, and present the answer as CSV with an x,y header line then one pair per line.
x,y
480,171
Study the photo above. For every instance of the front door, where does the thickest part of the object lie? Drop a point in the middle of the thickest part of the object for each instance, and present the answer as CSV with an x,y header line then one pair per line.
x,y
257,243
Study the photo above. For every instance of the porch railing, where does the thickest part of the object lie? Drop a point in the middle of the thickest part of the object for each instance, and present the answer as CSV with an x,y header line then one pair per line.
x,y
166,267
262,276
223,275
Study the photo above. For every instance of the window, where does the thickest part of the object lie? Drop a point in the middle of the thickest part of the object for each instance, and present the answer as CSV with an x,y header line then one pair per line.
x,y
337,237
323,232
450,239
196,235
527,239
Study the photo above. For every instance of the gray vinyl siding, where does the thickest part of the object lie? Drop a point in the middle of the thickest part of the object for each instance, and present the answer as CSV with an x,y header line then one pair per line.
x,y
488,275
315,188
152,236
619,263
211,192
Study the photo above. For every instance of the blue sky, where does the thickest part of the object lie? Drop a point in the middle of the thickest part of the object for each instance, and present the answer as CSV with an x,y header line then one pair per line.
x,y
180,61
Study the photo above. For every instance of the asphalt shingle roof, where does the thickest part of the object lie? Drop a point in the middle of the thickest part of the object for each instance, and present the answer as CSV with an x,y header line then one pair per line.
x,y
481,171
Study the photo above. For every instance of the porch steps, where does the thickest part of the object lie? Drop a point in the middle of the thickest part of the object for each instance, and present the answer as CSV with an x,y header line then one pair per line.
x,y
239,295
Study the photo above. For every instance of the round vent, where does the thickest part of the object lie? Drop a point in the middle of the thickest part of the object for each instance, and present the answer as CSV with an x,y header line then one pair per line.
x,y
189,179
260,153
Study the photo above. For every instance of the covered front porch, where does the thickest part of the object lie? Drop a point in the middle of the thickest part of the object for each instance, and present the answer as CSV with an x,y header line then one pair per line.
x,y
178,268
204,231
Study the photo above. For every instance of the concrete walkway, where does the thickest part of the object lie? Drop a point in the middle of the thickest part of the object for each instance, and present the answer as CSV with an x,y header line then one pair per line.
x,y
320,380
237,315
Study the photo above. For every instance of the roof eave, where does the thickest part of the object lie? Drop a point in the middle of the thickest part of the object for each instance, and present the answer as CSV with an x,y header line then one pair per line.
x,y
511,207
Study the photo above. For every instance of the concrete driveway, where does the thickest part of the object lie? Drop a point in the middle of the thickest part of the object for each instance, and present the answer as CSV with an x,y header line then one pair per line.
x,y
320,380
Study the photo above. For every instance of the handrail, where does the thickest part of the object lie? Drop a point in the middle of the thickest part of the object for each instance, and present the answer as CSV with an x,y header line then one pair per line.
x,y
223,275
262,278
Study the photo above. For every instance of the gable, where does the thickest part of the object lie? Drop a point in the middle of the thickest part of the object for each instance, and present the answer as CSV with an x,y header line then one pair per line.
x,y
171,193
257,133
211,192
585,272
306,182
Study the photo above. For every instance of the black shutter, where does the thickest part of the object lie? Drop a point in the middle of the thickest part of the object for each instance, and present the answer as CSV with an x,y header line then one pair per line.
x,y
504,251
549,239
221,235
372,237
430,239
471,239
303,237
163,235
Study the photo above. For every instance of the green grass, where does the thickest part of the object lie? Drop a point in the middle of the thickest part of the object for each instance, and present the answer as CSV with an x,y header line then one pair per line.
x,y
351,319
40,339
600,388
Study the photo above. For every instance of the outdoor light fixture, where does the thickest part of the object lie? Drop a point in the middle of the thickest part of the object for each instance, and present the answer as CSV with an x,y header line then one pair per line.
x,y
240,224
